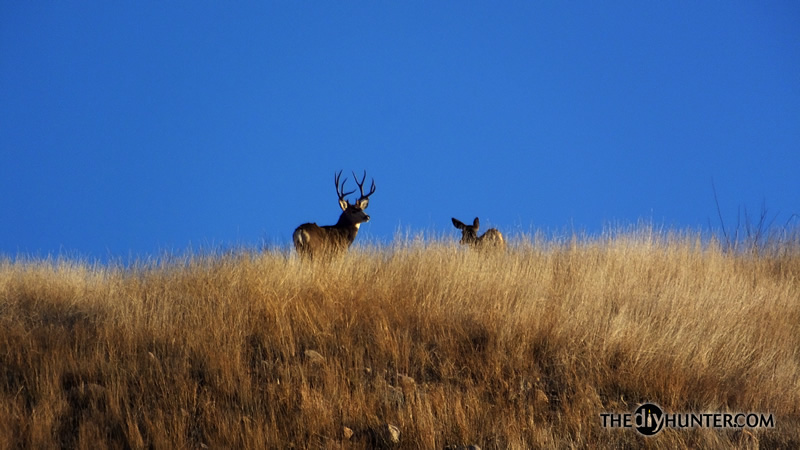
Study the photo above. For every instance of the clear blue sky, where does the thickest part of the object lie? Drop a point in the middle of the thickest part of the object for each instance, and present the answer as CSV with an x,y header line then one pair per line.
x,y
129,128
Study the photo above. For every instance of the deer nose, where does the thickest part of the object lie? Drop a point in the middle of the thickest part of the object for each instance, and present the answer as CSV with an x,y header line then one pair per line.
x,y
366,219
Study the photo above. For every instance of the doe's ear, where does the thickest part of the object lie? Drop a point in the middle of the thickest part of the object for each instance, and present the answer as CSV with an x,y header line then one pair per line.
x,y
458,224
476,224
362,203
343,204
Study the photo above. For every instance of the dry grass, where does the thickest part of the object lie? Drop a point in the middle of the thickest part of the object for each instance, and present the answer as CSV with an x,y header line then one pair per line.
x,y
518,349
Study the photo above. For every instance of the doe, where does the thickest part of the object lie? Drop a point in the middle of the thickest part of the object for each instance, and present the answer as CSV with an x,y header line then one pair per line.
x,y
469,235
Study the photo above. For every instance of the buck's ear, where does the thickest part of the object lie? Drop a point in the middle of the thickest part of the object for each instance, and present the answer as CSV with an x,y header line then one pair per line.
x,y
476,224
363,203
458,224
343,204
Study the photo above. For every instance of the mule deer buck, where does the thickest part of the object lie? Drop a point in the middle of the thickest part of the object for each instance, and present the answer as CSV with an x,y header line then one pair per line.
x,y
469,235
310,238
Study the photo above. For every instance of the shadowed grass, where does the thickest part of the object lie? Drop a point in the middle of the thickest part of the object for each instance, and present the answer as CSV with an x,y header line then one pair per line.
x,y
516,349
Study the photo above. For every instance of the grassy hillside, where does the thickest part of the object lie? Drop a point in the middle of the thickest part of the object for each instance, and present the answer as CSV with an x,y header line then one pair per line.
x,y
519,349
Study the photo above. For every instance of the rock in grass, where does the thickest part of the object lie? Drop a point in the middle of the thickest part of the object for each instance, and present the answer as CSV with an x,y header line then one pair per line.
x,y
407,384
389,434
394,397
347,433
540,398
314,357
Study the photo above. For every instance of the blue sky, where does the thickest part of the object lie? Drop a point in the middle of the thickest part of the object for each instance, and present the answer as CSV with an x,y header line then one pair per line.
x,y
132,128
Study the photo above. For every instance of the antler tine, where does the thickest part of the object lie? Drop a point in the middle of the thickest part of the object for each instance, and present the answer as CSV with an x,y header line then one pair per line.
x,y
340,191
361,185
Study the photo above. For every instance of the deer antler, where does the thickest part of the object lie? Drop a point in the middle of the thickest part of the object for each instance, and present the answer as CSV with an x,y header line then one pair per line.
x,y
361,186
340,191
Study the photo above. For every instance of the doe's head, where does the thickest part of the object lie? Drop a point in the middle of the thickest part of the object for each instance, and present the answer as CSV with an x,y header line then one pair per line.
x,y
469,233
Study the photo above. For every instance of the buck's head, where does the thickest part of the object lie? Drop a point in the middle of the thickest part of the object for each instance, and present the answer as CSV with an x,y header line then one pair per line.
x,y
469,233
353,213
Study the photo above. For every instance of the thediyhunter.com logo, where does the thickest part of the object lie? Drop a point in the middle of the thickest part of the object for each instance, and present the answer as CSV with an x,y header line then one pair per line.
x,y
649,419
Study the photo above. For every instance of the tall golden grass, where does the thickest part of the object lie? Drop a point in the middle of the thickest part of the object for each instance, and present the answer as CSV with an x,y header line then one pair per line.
x,y
522,348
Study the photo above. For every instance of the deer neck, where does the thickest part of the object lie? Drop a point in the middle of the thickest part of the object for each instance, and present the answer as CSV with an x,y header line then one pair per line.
x,y
344,230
